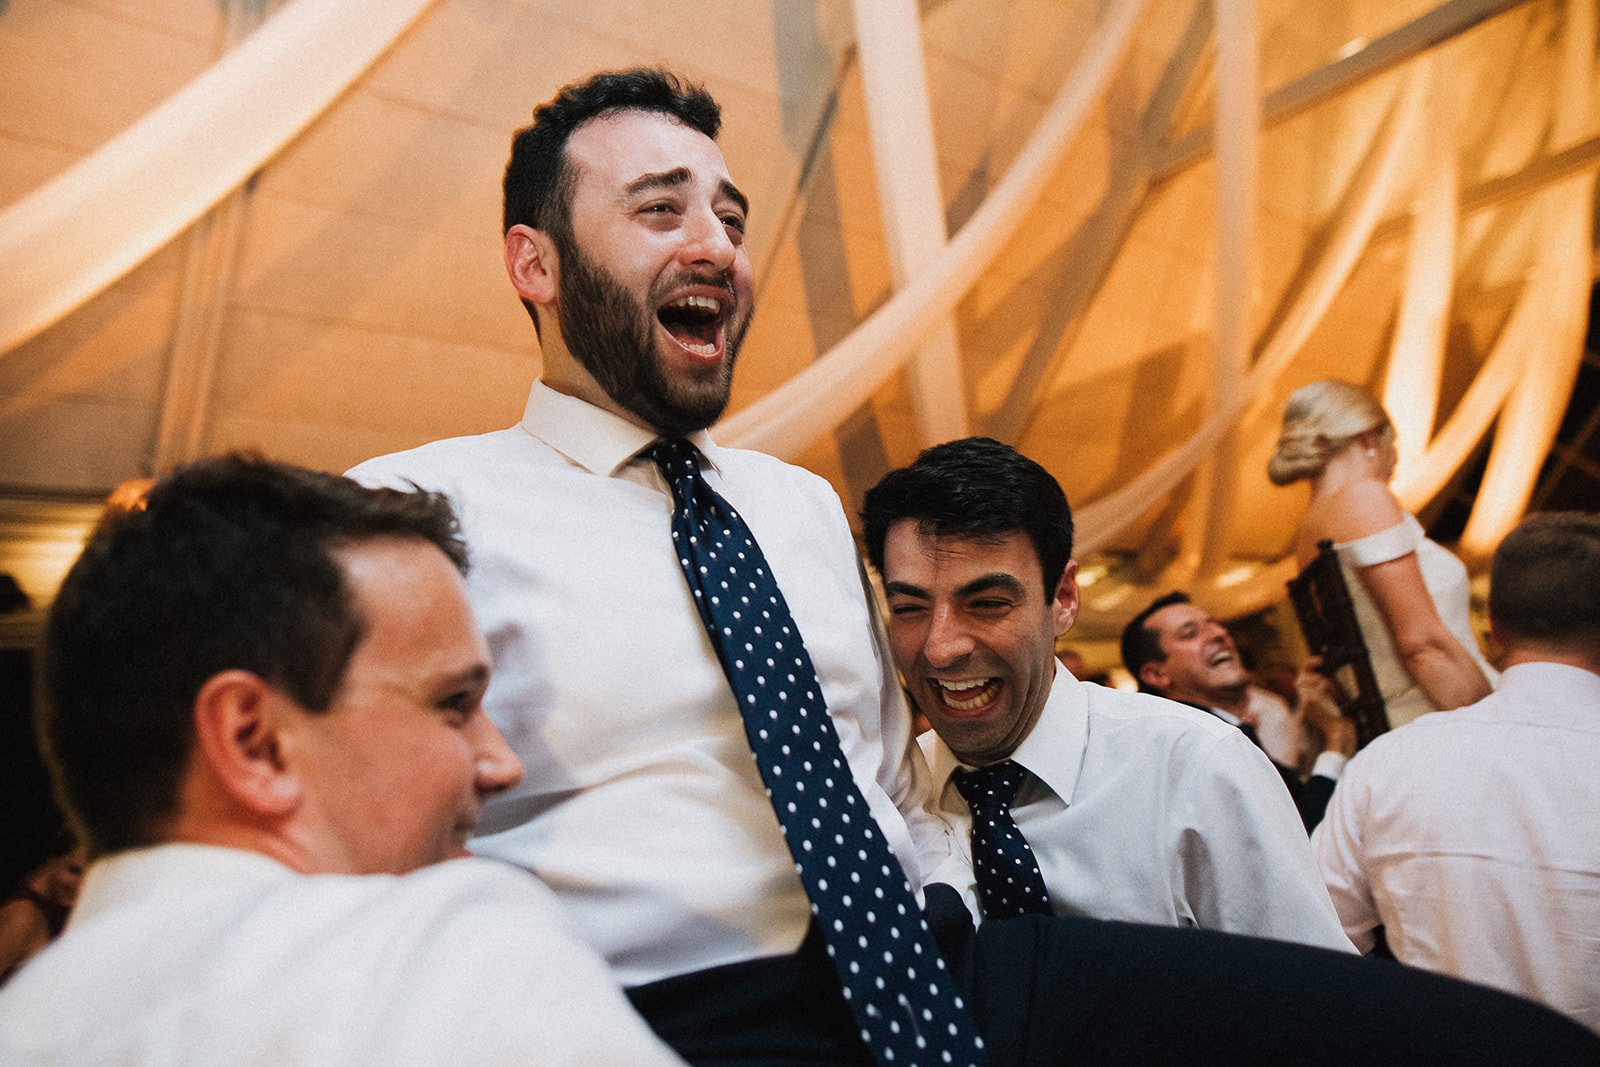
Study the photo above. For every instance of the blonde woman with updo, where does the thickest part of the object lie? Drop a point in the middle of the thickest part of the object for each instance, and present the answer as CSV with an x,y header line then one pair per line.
x,y
1411,595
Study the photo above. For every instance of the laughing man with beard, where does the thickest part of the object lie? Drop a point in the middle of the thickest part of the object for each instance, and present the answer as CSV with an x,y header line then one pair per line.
x,y
1175,649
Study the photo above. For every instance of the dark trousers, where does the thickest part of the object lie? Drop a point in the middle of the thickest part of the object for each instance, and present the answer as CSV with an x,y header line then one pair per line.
x,y
1052,991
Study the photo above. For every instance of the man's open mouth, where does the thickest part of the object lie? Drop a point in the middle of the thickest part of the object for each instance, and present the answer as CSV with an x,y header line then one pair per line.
x,y
696,323
967,694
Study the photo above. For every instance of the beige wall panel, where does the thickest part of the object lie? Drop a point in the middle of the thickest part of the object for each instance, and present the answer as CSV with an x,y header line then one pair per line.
x,y
1030,45
198,19
26,165
779,345
491,61
74,75
281,375
109,356
332,447
1498,245
810,276
730,41
74,445
307,262
380,156
1107,428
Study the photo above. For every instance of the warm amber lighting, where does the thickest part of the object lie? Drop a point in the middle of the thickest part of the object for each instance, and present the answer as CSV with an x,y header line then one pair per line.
x,y
129,495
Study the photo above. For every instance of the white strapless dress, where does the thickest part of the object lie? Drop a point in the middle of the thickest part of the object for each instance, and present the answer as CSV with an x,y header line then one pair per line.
x,y
1446,579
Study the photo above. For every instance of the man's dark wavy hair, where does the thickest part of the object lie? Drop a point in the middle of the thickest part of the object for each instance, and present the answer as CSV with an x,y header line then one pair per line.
x,y
976,489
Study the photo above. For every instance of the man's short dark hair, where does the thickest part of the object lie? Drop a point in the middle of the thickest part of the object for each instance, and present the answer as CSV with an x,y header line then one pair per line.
x,y
226,563
539,179
1544,583
1141,644
976,489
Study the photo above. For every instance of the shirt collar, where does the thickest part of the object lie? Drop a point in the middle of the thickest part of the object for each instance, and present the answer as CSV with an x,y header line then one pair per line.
x,y
1551,693
1052,751
591,437
134,873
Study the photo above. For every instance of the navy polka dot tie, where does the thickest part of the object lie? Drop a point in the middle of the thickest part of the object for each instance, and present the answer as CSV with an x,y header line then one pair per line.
x,y
1009,882
903,998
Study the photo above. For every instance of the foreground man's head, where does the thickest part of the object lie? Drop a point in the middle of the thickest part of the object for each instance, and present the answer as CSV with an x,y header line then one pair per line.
x,y
273,659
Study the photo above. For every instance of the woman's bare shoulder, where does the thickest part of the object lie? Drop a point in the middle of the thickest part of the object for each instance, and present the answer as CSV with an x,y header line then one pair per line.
x,y
1352,511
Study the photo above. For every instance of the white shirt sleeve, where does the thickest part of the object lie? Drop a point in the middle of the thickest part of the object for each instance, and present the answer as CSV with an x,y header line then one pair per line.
x,y
1246,864
1337,846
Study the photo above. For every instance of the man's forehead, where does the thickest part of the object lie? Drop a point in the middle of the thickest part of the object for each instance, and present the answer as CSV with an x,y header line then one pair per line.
x,y
1003,551
621,145
1174,617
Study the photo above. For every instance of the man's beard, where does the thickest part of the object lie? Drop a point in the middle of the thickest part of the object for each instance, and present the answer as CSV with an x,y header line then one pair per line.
x,y
613,337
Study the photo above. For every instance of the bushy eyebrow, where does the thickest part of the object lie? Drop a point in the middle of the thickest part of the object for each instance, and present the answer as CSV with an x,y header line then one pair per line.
x,y
731,191
671,179
981,584
660,179
473,677
998,580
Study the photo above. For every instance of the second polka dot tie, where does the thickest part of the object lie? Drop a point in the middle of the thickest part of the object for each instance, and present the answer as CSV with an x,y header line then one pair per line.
x,y
1009,882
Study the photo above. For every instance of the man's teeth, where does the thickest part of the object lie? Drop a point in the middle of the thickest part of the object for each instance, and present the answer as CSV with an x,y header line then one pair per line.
x,y
701,350
699,303
979,688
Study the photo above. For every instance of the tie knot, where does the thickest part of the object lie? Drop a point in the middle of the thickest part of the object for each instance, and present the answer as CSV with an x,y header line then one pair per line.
x,y
995,784
675,456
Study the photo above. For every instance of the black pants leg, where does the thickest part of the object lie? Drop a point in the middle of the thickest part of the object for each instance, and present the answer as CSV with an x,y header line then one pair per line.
x,y
1058,991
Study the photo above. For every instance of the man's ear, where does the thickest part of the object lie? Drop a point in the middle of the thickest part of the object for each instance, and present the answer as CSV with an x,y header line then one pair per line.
x,y
1155,676
532,263
238,721
1064,605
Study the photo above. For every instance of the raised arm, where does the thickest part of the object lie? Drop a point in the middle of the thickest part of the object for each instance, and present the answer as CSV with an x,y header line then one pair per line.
x,y
1430,652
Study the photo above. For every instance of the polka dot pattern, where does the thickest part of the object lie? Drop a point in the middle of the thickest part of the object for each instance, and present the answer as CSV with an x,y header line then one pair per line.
x,y
1009,882
903,997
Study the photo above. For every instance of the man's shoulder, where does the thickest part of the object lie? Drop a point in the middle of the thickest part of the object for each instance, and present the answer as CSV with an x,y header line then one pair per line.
x,y
1154,714
442,461
746,463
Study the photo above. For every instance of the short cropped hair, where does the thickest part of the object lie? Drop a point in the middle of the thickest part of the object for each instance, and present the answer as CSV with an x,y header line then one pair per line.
x,y
226,563
977,489
1544,583
1141,644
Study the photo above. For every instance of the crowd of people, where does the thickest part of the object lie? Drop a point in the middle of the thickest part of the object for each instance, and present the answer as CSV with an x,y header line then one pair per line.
x,y
700,826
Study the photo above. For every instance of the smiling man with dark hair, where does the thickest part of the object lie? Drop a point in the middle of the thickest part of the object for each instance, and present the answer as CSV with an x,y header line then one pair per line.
x,y
1127,806
1174,648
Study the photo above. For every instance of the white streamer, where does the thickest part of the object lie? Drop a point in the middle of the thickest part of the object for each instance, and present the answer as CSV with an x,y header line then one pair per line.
x,y
223,126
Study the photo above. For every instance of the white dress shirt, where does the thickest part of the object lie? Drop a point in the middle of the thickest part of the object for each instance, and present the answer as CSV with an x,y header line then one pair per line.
x,y
1445,578
191,954
642,807
1146,810
1473,837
